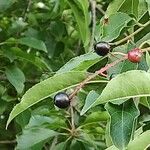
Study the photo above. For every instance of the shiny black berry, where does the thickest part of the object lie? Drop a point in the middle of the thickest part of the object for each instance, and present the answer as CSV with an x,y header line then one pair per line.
x,y
102,48
61,100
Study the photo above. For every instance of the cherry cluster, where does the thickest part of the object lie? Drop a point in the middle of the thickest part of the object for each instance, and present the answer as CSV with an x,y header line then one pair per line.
x,y
62,100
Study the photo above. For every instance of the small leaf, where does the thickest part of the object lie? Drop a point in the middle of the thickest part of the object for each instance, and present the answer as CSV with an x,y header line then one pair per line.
x,y
90,99
82,17
141,142
80,63
122,120
33,136
130,84
112,30
96,117
16,78
45,89
33,43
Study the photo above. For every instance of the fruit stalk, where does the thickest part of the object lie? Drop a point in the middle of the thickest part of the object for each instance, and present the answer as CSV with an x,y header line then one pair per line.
x,y
90,77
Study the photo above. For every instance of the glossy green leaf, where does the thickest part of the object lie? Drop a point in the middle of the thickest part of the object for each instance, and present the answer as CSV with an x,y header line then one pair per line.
x,y
122,120
33,136
80,10
16,77
112,30
130,84
33,43
141,142
90,99
45,89
80,63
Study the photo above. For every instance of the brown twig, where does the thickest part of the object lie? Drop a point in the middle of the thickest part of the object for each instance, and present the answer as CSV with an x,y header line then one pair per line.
x,y
90,77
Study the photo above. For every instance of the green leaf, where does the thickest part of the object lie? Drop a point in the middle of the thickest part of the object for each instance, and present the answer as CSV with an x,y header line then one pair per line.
x,y
141,142
113,7
33,136
16,77
96,117
23,118
29,57
142,9
80,10
145,101
112,30
148,59
130,7
90,99
143,39
45,89
112,148
130,84
126,6
33,43
80,63
148,3
5,4
122,122
61,146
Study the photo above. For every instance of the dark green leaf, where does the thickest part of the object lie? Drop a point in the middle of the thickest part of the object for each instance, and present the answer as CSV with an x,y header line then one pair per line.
x,y
5,4
122,122
16,78
33,136
33,43
90,99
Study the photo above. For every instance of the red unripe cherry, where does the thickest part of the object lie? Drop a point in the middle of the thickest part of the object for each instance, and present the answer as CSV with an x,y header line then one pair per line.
x,y
135,55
